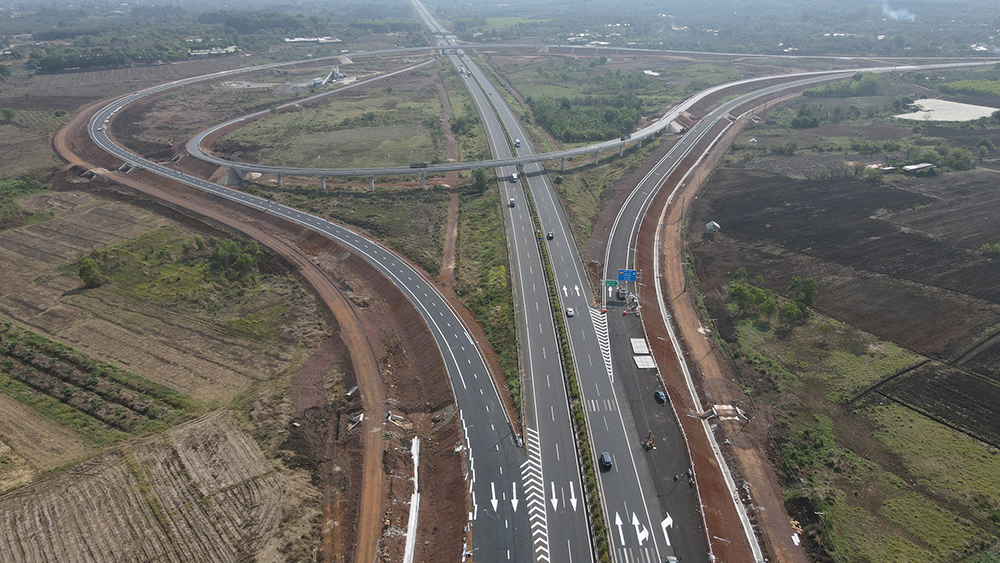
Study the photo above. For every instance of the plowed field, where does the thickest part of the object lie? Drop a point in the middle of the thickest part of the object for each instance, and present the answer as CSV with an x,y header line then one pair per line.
x,y
200,492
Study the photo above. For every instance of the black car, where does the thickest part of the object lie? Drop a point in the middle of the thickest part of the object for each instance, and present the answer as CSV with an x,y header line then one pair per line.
x,y
549,235
419,165
661,397
605,460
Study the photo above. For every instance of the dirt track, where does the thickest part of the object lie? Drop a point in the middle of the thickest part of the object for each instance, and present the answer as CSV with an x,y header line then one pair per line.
x,y
371,505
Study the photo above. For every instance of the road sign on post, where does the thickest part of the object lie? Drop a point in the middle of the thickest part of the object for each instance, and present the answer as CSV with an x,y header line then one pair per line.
x,y
610,283
627,275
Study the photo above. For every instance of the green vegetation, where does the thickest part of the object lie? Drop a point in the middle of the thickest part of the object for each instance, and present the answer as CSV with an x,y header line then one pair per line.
x,y
841,457
107,36
160,267
381,128
409,219
219,279
861,84
100,401
753,302
991,250
579,100
12,215
482,280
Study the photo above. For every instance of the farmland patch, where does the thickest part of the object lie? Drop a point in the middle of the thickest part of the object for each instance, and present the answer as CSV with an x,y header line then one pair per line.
x,y
201,492
173,331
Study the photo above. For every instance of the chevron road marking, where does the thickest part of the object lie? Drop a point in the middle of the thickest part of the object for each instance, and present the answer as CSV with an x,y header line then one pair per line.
x,y
534,491
601,327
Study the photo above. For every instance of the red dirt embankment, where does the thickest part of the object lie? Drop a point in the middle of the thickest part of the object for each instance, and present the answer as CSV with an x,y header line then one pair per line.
x,y
713,378
392,356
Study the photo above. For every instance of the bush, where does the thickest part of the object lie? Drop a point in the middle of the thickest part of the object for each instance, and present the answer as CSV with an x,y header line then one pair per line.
x,y
90,273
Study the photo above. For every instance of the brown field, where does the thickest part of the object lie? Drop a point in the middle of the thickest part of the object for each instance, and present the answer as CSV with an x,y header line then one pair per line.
x,y
201,492
897,260
178,349
37,442
72,90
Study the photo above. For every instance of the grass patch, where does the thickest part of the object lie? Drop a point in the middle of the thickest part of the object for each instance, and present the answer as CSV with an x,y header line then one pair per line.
x,y
483,280
260,325
12,215
389,127
962,468
845,360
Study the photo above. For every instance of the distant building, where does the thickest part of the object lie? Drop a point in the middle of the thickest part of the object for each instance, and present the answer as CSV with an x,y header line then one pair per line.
x,y
712,227
917,167
213,51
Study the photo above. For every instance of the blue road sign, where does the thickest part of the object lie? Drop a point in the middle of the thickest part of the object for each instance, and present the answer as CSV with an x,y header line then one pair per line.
x,y
627,275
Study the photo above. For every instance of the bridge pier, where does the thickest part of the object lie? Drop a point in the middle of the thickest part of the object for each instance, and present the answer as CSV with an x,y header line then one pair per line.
x,y
640,143
423,181
371,183
621,150
322,181
597,156
562,164
279,181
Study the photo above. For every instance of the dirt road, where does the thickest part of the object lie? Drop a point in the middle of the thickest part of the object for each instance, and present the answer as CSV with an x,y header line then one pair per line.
x,y
363,358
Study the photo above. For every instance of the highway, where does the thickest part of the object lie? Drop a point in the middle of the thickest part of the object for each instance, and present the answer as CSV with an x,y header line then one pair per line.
x,y
560,530
635,524
505,481
499,525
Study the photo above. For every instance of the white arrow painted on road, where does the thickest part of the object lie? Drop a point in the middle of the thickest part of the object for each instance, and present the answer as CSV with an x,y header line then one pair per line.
x,y
668,522
565,292
641,535
572,495
513,497
494,501
621,534
609,291
555,501
577,289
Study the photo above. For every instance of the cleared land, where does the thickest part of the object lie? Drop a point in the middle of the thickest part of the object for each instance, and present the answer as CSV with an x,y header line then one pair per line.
x,y
859,413
200,492
185,344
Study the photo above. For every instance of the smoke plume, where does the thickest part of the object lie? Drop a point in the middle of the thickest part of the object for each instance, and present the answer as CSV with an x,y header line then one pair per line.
x,y
904,14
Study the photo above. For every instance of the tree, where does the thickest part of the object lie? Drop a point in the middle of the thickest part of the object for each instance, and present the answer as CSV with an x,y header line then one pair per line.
x,y
790,313
90,273
479,180
803,291
8,114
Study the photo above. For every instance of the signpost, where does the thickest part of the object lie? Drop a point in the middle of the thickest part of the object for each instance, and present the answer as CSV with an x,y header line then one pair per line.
x,y
627,275
610,283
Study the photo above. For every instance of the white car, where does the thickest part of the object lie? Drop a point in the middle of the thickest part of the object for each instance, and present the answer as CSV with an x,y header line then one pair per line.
x,y
570,312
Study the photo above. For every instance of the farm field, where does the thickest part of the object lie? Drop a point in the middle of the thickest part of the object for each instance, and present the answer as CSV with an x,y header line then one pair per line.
x,y
880,408
193,344
203,491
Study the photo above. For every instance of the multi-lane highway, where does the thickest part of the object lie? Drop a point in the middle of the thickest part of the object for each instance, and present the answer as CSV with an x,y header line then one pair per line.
x,y
500,525
552,482
527,504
